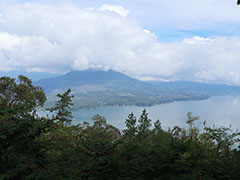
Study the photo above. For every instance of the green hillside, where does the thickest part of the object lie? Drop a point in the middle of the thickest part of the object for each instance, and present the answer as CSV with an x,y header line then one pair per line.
x,y
111,88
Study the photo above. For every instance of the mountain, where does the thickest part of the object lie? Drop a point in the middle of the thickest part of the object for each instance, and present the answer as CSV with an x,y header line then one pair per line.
x,y
89,77
99,88
110,88
189,86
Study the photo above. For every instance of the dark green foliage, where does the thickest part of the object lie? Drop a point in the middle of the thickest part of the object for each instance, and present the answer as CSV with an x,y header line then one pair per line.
x,y
20,151
144,125
42,149
64,116
39,148
21,92
131,126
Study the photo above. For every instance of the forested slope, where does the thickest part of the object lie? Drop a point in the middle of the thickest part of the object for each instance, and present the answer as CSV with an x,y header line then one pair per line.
x,y
93,88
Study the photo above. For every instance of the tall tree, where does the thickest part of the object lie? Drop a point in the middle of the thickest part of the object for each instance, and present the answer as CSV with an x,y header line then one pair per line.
x,y
144,125
64,116
131,126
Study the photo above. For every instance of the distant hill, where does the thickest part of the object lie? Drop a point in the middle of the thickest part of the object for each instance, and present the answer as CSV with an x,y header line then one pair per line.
x,y
34,76
190,86
89,77
110,88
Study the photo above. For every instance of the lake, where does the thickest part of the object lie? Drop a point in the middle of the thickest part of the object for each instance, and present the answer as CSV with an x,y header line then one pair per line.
x,y
218,111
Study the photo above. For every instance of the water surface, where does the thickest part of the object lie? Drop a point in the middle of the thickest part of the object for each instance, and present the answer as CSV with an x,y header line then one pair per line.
x,y
218,111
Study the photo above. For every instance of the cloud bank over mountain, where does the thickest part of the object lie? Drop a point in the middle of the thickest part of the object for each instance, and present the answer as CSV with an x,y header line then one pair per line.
x,y
42,37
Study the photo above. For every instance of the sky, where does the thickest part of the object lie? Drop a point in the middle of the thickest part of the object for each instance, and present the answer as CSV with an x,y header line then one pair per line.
x,y
146,39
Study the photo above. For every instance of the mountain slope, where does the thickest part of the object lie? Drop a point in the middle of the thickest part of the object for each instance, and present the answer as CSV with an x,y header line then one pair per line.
x,y
89,77
111,88
189,86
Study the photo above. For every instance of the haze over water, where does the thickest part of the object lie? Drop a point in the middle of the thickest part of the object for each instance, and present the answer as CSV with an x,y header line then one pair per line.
x,y
218,111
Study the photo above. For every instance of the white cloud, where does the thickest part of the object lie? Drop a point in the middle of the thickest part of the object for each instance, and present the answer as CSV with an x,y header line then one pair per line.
x,y
10,42
197,40
67,37
114,8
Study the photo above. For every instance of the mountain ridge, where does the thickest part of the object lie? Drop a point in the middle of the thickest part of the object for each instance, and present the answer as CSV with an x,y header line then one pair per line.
x,y
111,88
79,78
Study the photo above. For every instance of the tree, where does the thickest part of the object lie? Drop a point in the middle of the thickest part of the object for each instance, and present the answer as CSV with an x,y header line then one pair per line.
x,y
20,129
20,91
131,126
144,125
193,131
64,116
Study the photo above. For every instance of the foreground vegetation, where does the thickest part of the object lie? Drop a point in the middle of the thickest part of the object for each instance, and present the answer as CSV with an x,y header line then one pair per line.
x,y
33,147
